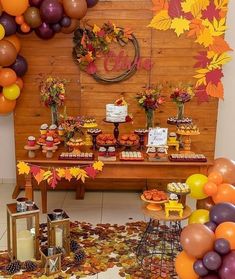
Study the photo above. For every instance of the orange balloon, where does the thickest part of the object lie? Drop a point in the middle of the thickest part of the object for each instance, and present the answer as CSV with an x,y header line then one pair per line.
x,y
20,83
7,77
19,19
15,7
226,230
215,177
15,41
184,266
210,188
24,28
225,193
6,106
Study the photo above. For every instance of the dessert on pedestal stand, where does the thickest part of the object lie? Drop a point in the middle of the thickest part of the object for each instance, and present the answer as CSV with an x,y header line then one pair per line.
x,y
31,150
116,127
49,150
141,133
94,133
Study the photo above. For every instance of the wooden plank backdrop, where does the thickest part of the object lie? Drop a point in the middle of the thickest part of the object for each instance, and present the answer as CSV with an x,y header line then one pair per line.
x,y
172,60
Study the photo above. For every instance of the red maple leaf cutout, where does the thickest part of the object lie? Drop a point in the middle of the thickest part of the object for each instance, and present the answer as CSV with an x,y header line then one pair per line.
x,y
202,60
211,12
214,76
91,68
35,170
188,15
91,172
54,179
175,9
201,94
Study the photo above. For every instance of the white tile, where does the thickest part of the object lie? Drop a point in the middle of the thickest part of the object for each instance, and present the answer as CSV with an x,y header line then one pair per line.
x,y
93,199
88,214
9,180
3,241
111,273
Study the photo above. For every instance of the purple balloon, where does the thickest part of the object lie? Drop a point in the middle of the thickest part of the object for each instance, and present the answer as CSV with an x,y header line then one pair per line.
x,y
91,3
9,24
212,260
222,212
44,31
65,21
51,11
227,270
211,225
35,3
222,246
20,66
56,27
199,268
211,276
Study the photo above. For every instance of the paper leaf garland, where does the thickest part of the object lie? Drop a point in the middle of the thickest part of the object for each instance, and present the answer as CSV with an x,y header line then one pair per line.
x,y
53,175
205,22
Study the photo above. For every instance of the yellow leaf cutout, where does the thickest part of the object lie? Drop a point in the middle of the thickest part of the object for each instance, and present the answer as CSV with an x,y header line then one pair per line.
x,y
98,165
221,4
60,172
180,25
74,171
82,175
197,7
23,168
187,4
217,27
219,60
161,21
205,38
47,174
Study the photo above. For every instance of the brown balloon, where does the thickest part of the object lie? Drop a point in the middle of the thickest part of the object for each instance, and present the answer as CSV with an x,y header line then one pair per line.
x,y
73,25
8,53
75,8
226,168
32,17
205,203
197,240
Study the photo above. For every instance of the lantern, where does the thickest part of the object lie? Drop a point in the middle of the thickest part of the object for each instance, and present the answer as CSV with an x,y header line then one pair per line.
x,y
23,243
58,229
51,261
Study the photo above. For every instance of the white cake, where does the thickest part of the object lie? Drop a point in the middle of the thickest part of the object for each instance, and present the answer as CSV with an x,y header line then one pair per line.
x,y
116,113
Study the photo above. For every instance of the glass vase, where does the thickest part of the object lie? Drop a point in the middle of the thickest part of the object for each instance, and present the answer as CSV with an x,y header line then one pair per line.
x,y
54,115
149,118
180,111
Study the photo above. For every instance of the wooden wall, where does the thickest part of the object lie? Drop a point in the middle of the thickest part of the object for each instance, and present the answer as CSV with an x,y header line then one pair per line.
x,y
173,61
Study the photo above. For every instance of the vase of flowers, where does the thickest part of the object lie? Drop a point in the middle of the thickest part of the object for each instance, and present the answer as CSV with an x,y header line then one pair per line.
x,y
150,99
52,90
181,96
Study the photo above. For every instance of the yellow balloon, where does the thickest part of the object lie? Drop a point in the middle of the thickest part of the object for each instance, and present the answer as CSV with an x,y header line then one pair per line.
x,y
196,183
11,92
2,32
199,216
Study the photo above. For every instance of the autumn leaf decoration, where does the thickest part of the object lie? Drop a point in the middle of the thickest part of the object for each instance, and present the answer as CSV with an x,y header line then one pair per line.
x,y
205,22
53,175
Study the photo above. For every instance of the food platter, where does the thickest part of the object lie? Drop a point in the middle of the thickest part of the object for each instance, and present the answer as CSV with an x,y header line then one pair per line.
x,y
153,205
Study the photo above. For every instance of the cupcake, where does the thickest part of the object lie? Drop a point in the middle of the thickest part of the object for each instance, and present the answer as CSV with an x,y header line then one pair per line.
x,y
53,127
102,151
111,151
49,141
31,141
161,152
43,129
61,131
172,137
173,199
151,152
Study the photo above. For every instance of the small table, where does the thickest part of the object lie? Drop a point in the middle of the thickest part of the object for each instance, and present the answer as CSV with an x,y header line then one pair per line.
x,y
160,242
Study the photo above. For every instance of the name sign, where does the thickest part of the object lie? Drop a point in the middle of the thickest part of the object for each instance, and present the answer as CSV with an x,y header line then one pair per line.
x,y
157,137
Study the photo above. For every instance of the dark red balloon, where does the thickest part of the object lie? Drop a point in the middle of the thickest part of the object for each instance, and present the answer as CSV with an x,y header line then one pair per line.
x,y
222,212
91,3
51,11
9,24
227,270
20,66
44,31
35,3
65,21
212,276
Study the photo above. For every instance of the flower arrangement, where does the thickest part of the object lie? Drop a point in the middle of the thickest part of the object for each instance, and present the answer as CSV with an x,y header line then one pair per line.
x,y
150,99
93,42
120,102
71,126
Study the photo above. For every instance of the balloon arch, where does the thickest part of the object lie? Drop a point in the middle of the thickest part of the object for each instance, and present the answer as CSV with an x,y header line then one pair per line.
x,y
45,17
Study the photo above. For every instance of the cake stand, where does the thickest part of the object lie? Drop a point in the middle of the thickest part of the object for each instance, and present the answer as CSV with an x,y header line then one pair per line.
x,y
153,205
31,150
141,135
49,150
187,141
94,136
116,127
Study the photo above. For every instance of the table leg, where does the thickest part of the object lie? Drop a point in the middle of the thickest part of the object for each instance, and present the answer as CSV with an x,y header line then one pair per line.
x,y
16,192
43,189
29,187
80,191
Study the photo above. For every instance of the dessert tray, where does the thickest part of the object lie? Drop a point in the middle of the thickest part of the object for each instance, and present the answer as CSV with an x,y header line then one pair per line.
x,y
176,121
156,198
187,158
178,188
82,156
131,156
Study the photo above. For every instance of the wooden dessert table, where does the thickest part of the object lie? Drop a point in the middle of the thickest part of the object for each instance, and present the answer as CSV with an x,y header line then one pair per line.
x,y
113,170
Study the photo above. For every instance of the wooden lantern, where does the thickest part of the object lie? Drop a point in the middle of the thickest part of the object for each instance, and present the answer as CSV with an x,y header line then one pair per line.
x,y
50,263
58,229
24,244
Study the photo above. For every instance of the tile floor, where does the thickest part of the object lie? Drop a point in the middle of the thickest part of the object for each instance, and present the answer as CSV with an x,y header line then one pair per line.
x,y
97,207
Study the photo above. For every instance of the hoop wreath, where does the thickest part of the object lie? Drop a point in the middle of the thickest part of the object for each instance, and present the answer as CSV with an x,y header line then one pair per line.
x,y
89,43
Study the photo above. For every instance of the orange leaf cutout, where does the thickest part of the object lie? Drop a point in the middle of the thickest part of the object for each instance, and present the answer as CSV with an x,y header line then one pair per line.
x,y
195,27
39,176
219,45
159,5
215,90
67,174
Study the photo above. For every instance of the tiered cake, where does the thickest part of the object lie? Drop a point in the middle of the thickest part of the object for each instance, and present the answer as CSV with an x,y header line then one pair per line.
x,y
116,113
